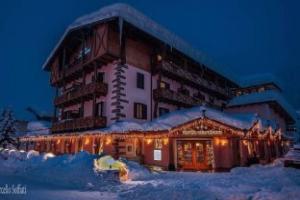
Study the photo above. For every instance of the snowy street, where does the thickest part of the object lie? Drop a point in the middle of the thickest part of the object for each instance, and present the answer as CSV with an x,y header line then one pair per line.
x,y
72,177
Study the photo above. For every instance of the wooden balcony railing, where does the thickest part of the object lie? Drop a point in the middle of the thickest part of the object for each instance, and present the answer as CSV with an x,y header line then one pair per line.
x,y
194,79
169,96
79,124
84,92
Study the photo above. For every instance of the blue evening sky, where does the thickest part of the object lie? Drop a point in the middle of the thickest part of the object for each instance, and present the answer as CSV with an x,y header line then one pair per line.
x,y
249,36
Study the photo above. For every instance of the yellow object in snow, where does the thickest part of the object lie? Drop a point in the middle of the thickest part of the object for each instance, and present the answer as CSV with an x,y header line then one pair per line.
x,y
109,163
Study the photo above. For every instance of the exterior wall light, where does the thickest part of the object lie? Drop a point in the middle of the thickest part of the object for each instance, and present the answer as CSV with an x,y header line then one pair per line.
x,y
166,141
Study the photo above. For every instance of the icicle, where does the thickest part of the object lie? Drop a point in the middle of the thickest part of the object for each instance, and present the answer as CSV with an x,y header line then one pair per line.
x,y
120,29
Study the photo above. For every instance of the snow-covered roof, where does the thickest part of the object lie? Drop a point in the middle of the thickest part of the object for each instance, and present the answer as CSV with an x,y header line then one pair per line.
x,y
139,20
36,128
259,79
263,97
179,117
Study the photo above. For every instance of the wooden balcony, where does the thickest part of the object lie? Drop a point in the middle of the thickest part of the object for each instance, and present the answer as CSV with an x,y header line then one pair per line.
x,y
176,98
79,124
178,73
85,92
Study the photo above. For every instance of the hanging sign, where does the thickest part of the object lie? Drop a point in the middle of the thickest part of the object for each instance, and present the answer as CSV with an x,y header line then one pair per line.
x,y
202,133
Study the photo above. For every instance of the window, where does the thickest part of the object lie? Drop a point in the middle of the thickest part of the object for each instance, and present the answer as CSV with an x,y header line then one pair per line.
x,y
100,77
140,80
158,144
81,112
129,148
83,52
140,111
163,111
99,109
164,85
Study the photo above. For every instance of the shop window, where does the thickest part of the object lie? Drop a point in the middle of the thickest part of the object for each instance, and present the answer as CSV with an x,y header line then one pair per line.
x,y
140,79
140,111
163,111
158,144
164,85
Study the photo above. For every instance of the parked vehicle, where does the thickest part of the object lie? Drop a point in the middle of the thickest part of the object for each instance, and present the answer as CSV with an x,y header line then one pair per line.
x,y
292,158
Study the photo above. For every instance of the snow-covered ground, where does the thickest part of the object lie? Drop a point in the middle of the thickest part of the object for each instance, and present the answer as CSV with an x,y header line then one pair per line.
x,y
73,177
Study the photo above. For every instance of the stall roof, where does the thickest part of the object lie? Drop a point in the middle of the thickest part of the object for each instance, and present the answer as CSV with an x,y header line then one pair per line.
x,y
264,97
139,20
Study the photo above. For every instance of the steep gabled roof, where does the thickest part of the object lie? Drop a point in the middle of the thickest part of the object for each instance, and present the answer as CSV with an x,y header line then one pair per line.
x,y
259,79
264,97
139,20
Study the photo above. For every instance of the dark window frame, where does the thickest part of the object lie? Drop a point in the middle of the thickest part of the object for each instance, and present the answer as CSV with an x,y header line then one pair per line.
x,y
140,80
97,109
140,111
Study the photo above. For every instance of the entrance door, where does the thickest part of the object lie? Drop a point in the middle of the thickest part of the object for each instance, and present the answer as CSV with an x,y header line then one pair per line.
x,y
192,155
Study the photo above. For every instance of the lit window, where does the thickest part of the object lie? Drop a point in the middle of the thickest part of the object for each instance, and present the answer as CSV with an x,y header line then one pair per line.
x,y
157,143
164,85
83,52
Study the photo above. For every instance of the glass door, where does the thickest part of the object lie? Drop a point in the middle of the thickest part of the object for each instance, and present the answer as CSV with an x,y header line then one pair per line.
x,y
191,155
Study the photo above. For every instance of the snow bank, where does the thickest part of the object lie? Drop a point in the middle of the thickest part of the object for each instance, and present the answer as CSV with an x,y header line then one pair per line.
x,y
68,171
257,182
136,171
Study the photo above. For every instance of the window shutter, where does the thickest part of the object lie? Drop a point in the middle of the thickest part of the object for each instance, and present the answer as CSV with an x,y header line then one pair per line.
x,y
135,110
102,109
144,111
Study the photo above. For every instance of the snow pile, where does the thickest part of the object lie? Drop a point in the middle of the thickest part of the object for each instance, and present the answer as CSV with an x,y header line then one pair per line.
x,y
136,171
38,128
257,182
70,171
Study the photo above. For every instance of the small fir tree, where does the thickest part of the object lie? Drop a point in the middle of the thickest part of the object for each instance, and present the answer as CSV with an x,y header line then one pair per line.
x,y
7,130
